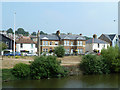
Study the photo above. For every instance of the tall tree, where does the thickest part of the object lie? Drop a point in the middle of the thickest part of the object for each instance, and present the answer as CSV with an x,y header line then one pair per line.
x,y
22,31
34,34
41,32
2,46
10,30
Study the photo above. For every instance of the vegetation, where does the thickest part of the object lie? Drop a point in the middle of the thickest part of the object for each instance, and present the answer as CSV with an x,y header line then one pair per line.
x,y
108,62
34,34
41,32
112,58
46,67
2,46
21,70
59,51
10,30
22,31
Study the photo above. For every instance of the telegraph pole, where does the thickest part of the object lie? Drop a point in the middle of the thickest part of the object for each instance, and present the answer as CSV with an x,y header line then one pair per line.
x,y
14,32
38,42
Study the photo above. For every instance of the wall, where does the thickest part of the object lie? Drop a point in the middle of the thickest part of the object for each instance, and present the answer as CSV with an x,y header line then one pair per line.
x,y
26,47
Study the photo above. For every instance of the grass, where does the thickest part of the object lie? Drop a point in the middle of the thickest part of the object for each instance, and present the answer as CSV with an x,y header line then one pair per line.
x,y
7,75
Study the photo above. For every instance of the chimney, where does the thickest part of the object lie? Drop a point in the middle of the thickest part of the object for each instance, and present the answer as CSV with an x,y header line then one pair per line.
x,y
80,34
94,36
58,33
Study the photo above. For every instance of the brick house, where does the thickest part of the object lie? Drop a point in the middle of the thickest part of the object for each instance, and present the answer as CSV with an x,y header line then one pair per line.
x,y
70,42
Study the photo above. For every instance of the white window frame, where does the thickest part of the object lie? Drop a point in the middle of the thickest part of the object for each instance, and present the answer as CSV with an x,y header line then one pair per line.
x,y
43,49
71,43
46,50
65,42
43,42
81,51
81,43
46,43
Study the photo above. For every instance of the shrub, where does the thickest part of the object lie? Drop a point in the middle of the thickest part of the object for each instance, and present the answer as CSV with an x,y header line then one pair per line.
x,y
112,58
21,70
60,51
92,64
45,67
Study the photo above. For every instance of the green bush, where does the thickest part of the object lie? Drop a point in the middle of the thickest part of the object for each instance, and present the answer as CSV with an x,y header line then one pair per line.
x,y
112,58
21,70
60,51
45,67
93,64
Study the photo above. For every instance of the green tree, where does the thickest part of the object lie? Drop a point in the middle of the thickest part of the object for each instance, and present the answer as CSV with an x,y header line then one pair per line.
x,y
34,34
41,32
10,30
22,31
2,46
45,67
59,51
112,58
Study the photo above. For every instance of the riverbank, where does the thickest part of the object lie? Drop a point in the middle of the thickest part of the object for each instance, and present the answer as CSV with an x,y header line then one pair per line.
x,y
9,62
8,76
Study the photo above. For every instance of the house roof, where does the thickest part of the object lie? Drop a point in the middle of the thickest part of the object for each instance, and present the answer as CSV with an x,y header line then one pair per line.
x,y
49,37
55,37
95,40
72,37
110,36
25,40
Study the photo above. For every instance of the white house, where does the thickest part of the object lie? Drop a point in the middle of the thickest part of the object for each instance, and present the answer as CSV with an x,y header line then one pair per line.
x,y
112,39
25,44
95,44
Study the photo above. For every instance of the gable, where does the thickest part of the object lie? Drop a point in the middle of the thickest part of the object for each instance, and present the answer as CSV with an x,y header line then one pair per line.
x,y
44,38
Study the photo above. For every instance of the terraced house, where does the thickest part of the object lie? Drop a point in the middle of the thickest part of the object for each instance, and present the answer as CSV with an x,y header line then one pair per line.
x,y
71,43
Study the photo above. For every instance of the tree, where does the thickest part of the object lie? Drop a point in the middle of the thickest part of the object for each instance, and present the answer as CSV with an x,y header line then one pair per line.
x,y
2,46
34,34
10,30
60,51
41,32
22,31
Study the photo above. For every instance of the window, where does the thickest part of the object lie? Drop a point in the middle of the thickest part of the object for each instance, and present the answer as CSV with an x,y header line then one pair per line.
x,y
78,51
56,43
50,43
64,42
43,42
68,51
98,45
31,51
43,49
81,43
31,45
7,43
71,43
81,51
78,43
46,42
46,50
71,51
68,43
21,45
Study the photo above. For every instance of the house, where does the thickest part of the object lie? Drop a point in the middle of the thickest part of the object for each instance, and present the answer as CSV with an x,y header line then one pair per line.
x,y
112,39
95,44
70,42
119,40
25,44
8,41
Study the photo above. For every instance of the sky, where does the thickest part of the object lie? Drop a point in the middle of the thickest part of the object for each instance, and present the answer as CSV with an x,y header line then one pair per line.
x,y
87,18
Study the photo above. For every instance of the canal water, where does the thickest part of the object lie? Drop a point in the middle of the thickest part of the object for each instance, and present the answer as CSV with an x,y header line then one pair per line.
x,y
81,81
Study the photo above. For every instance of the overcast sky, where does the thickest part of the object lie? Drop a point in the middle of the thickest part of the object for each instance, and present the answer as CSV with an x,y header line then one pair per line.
x,y
87,18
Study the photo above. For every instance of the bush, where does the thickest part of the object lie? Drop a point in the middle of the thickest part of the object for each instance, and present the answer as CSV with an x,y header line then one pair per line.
x,y
93,64
45,67
21,70
60,51
112,58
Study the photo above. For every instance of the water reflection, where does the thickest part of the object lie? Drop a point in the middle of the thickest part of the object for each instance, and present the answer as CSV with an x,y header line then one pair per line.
x,y
81,81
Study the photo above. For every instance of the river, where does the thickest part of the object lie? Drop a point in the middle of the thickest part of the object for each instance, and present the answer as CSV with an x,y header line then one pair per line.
x,y
81,81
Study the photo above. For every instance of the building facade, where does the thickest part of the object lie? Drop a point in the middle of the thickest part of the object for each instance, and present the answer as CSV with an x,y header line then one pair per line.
x,y
25,44
71,43
96,45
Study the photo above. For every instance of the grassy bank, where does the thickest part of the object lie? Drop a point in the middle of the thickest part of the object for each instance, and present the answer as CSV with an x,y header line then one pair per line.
x,y
7,75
